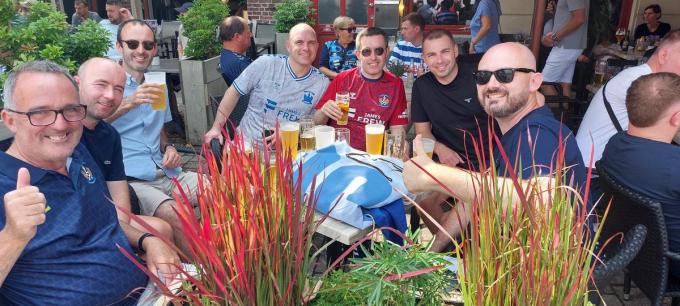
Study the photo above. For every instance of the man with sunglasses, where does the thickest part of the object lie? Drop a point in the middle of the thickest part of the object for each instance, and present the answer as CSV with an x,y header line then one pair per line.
x,y
151,162
281,88
376,95
60,234
507,88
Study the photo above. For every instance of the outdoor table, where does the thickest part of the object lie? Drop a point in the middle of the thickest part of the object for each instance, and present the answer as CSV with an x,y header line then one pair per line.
x,y
266,43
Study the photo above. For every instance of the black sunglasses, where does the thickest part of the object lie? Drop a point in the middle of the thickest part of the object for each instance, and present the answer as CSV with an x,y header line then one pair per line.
x,y
505,75
134,44
368,51
350,30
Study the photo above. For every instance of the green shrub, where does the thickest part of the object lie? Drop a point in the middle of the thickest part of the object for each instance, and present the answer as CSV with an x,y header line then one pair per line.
x,y
291,12
200,26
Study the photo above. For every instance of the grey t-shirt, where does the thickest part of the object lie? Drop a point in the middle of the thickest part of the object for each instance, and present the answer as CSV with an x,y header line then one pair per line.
x,y
76,20
276,93
578,38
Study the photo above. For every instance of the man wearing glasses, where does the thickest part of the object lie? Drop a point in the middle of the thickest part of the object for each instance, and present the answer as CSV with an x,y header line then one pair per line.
x,y
150,160
507,87
60,235
376,95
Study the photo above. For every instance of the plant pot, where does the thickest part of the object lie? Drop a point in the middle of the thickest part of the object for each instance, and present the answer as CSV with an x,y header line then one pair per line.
x,y
201,80
281,39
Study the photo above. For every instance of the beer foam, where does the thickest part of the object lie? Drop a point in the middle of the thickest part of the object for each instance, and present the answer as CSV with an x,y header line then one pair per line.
x,y
375,129
290,126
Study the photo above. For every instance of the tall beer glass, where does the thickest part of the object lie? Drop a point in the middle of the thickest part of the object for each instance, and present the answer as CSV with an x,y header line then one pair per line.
x,y
374,138
306,134
342,98
157,78
290,132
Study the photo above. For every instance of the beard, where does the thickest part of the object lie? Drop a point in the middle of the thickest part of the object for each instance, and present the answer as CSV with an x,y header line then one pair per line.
x,y
496,108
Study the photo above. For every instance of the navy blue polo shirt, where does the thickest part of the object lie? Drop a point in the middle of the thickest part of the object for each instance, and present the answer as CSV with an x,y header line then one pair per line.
x,y
534,140
74,257
649,168
103,143
232,64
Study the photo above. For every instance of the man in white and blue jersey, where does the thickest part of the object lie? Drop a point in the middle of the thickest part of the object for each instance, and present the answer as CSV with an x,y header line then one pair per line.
x,y
409,50
281,88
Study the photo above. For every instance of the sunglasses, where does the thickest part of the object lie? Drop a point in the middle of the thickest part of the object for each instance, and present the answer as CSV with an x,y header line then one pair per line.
x,y
505,75
350,30
368,51
134,44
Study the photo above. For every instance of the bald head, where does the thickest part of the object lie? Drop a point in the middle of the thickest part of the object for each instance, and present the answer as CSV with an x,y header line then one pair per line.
x,y
102,83
100,63
231,26
302,45
508,55
300,29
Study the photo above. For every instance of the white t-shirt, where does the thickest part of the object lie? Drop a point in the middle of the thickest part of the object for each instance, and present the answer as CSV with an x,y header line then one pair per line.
x,y
596,122
276,93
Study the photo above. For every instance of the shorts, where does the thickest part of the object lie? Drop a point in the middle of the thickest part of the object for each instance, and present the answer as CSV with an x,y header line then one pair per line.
x,y
559,67
152,194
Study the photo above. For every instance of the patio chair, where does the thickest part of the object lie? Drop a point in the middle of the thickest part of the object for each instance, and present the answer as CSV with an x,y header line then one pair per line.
x,y
568,110
650,268
615,257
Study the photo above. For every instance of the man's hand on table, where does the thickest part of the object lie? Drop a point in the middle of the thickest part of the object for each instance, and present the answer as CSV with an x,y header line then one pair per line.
x,y
447,156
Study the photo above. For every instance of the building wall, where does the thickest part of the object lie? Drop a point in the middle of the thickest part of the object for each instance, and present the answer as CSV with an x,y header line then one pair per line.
x,y
261,10
517,16
670,12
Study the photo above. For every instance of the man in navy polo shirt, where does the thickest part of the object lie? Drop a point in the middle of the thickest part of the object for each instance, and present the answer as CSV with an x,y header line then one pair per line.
x,y
643,158
507,87
60,236
235,36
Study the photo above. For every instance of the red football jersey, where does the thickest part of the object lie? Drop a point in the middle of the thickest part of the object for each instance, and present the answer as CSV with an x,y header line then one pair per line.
x,y
371,101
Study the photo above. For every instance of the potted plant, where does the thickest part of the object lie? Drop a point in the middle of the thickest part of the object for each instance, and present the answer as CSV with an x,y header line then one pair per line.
x,y
201,78
287,14
46,35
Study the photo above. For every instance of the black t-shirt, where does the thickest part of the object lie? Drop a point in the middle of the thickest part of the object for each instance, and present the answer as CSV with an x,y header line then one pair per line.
x,y
104,145
652,169
453,111
643,30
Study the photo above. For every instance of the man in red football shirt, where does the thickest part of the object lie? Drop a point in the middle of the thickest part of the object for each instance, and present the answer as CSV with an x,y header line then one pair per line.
x,y
376,95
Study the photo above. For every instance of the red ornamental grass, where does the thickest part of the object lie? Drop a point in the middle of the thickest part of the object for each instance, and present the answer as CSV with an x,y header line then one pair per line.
x,y
250,235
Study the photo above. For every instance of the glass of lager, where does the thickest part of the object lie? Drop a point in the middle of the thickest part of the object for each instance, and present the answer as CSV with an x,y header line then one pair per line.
x,y
324,136
374,138
290,133
342,98
157,78
306,134
342,134
428,145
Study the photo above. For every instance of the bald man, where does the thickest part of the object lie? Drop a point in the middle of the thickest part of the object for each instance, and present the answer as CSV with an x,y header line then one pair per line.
x,y
281,88
507,87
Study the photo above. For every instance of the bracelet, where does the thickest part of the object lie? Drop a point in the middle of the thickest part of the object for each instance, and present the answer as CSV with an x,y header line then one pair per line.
x,y
141,240
165,147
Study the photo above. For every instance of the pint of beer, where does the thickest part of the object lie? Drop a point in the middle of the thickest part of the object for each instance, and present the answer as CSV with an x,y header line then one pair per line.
x,y
428,145
374,138
158,78
307,140
342,98
290,132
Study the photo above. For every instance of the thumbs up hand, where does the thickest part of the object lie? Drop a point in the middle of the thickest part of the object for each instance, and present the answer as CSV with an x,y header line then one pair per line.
x,y
24,208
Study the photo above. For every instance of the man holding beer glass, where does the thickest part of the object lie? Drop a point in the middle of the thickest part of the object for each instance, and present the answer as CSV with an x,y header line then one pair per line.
x,y
366,95
150,161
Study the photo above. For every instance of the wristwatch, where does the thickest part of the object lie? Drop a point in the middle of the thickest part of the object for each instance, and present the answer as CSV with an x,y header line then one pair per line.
x,y
555,38
165,147
141,241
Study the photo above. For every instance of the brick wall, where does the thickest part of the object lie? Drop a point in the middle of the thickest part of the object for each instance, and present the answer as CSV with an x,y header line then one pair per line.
x,y
261,10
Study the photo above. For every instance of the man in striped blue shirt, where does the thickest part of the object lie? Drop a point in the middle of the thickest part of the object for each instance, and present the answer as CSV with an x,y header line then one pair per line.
x,y
408,51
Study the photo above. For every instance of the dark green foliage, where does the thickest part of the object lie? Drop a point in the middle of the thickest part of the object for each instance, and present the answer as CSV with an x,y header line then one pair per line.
x,y
200,26
291,12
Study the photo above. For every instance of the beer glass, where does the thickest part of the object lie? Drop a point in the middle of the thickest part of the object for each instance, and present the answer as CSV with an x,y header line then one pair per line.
x,y
428,145
342,98
342,134
324,136
374,138
394,145
306,134
157,78
290,132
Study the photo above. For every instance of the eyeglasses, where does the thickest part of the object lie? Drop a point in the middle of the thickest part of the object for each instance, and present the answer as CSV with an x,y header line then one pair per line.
x,y
505,75
46,117
134,44
350,29
378,51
